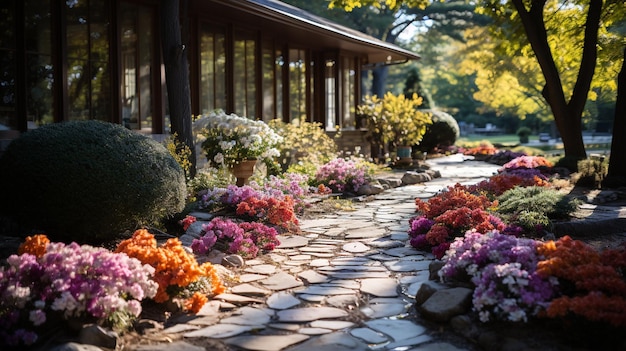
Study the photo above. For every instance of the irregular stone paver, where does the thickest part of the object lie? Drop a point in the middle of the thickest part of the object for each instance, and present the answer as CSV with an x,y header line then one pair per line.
x,y
384,310
325,290
176,345
307,314
356,247
266,342
384,287
397,329
250,316
234,298
282,301
368,335
250,290
335,325
291,242
407,266
281,281
219,331
337,341
262,269
312,277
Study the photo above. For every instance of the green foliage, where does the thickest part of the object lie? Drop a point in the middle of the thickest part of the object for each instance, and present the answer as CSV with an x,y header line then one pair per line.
x,y
395,119
532,206
303,141
180,152
443,132
591,172
524,132
89,181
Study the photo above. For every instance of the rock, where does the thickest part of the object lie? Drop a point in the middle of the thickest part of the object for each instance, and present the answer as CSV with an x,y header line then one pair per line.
x,y
426,290
412,177
433,173
445,304
434,268
72,346
464,325
233,261
370,189
95,335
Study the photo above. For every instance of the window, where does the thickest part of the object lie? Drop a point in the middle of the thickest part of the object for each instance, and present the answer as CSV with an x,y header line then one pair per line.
x,y
136,25
330,100
297,84
244,74
30,58
212,68
348,91
88,63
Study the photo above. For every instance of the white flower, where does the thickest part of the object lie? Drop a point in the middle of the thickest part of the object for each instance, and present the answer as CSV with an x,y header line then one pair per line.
x,y
219,158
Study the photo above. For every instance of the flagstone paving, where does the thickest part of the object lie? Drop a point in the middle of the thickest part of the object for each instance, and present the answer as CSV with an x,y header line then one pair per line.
x,y
348,282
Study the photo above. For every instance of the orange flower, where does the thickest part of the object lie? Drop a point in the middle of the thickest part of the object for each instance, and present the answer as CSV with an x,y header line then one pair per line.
x,y
35,245
195,303
173,265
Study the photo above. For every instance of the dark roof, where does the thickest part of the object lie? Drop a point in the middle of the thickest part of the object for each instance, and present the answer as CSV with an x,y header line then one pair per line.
x,y
307,24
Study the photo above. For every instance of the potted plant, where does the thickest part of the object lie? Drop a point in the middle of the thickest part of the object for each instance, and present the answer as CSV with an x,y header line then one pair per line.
x,y
235,142
523,133
395,121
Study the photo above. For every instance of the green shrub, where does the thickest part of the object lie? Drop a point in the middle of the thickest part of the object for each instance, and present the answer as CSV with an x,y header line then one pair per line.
x,y
591,172
303,141
89,181
531,206
443,132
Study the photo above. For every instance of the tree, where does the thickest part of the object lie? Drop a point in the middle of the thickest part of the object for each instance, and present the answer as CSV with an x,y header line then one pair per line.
x,y
177,74
617,167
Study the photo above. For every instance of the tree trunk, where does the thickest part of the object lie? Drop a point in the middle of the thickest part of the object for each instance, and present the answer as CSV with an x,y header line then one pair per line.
x,y
177,75
617,165
379,79
567,115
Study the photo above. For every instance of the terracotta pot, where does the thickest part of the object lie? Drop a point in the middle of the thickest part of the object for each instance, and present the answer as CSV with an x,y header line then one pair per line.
x,y
242,171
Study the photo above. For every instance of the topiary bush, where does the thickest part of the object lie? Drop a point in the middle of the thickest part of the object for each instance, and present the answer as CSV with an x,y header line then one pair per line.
x,y
89,181
443,132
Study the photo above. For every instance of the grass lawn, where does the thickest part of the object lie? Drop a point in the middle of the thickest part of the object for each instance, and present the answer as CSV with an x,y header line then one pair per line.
x,y
494,139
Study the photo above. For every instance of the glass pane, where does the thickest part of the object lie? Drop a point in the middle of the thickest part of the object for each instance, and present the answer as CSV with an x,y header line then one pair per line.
x,y
212,68
100,91
77,29
37,26
99,30
279,66
297,85
244,74
8,116
146,46
268,83
330,94
40,82
7,24
78,90
348,75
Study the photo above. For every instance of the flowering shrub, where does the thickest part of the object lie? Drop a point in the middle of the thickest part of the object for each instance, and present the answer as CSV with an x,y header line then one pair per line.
x,y
271,207
592,283
293,184
450,214
271,210
395,119
342,175
497,184
228,139
504,156
483,150
51,281
177,273
527,162
302,141
503,270
245,239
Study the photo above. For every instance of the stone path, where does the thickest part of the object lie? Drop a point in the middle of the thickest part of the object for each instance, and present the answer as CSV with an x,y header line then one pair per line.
x,y
347,283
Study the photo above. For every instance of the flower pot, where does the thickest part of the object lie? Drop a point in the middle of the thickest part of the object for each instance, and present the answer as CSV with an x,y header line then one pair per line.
x,y
242,171
404,154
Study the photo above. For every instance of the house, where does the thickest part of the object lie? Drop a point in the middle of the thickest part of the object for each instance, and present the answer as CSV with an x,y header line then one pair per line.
x,y
101,59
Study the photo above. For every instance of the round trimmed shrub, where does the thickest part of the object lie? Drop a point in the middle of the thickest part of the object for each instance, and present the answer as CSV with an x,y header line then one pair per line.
x,y
89,181
443,132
